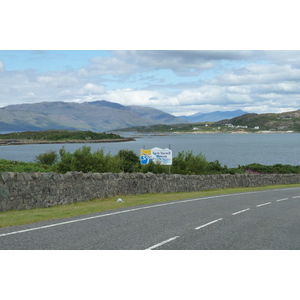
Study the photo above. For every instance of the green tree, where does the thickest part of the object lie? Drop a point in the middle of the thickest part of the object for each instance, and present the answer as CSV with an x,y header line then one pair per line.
x,y
85,161
49,158
66,161
187,163
130,162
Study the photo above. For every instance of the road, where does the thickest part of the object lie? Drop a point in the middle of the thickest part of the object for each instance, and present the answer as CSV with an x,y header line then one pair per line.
x,y
255,220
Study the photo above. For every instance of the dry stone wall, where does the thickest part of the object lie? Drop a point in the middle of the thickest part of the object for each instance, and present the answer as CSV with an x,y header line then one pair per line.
x,y
20,191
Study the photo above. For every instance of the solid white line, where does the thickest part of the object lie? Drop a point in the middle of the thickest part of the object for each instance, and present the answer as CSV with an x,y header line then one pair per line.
x,y
209,223
162,243
259,205
241,211
72,221
284,199
121,212
135,209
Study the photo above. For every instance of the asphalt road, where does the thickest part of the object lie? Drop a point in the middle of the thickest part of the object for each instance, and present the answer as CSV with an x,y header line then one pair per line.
x,y
255,220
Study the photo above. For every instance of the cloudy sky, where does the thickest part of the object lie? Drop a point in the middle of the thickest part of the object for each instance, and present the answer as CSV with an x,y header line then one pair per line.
x,y
178,82
181,82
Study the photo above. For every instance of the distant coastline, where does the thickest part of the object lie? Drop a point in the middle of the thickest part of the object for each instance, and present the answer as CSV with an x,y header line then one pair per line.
x,y
233,132
30,142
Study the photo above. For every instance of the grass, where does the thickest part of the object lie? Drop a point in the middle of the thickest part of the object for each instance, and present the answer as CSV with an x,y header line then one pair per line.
x,y
21,217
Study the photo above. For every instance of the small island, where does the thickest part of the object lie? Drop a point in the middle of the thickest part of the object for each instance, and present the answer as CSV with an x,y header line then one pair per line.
x,y
59,137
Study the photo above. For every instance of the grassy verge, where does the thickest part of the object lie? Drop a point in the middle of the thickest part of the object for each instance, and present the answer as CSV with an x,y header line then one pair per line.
x,y
12,218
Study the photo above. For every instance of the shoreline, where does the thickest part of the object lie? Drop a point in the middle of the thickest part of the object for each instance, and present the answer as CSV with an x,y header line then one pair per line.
x,y
234,132
32,142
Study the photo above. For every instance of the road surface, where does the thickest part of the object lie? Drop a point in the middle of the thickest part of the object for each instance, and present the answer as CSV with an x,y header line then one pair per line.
x,y
255,220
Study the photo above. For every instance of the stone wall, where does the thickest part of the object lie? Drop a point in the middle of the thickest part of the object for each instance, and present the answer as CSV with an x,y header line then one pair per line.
x,y
30,190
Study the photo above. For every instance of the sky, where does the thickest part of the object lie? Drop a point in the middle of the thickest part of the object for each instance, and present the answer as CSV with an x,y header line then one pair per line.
x,y
180,82
182,60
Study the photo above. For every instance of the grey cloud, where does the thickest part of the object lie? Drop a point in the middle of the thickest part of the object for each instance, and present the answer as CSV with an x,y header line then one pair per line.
x,y
182,62
259,74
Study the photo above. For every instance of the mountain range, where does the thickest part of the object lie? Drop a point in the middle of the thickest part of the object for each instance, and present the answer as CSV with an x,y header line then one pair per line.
x,y
98,115
213,116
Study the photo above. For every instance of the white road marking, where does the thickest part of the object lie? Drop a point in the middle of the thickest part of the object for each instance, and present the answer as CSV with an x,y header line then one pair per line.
x,y
135,209
296,197
241,211
284,199
263,204
209,223
124,211
162,243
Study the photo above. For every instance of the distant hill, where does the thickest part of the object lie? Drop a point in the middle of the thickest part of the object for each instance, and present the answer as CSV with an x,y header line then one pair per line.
x,y
213,116
272,121
96,116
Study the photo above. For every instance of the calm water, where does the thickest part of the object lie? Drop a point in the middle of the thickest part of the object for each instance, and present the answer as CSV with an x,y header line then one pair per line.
x,y
229,149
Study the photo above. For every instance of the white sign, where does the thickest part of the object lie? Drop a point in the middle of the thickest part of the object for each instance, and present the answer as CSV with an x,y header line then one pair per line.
x,y
157,155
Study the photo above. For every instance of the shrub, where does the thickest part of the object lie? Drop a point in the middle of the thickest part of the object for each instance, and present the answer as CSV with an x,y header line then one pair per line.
x,y
155,168
20,166
129,161
216,167
274,169
187,163
49,158
85,161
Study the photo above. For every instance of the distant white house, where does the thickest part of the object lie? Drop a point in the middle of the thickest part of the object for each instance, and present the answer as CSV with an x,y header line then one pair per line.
x,y
256,127
233,126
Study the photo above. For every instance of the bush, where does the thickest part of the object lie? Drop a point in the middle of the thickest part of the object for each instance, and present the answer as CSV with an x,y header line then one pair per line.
x,y
216,167
20,166
49,158
274,169
187,163
155,168
129,161
85,161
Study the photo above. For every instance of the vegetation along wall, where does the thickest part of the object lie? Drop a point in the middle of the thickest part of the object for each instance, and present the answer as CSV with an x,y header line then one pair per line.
x,y
30,190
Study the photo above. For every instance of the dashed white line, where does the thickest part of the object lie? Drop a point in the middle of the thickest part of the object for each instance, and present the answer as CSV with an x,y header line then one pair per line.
x,y
284,199
241,211
124,211
263,204
142,208
162,243
208,223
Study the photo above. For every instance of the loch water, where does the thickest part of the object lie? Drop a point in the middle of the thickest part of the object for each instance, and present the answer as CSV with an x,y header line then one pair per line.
x,y
229,149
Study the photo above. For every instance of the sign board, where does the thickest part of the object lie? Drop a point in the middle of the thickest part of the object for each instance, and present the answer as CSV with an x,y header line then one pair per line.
x,y
157,155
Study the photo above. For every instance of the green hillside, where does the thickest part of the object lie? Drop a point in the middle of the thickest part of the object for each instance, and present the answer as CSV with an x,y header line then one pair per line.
x,y
287,121
281,122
